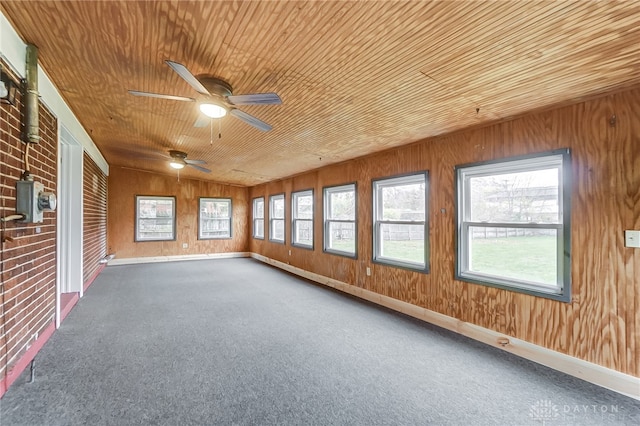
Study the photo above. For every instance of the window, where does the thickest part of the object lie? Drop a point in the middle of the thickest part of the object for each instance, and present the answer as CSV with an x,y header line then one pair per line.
x,y
276,218
155,218
513,224
215,218
258,218
399,221
302,214
340,220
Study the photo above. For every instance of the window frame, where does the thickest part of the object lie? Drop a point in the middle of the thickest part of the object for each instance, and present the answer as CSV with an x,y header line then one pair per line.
x,y
397,180
229,218
327,220
258,218
294,218
272,199
561,159
137,236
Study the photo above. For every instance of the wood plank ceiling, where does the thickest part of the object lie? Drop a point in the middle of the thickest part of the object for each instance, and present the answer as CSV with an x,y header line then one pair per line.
x,y
354,76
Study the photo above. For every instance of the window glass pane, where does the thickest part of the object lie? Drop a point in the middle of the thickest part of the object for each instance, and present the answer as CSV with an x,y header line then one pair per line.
x,y
403,202
304,232
402,242
155,229
342,205
258,208
259,228
304,206
155,208
520,254
278,230
342,236
215,228
524,197
278,208
214,209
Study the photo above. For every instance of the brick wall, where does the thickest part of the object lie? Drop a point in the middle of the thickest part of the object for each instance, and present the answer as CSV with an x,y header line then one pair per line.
x,y
28,251
94,224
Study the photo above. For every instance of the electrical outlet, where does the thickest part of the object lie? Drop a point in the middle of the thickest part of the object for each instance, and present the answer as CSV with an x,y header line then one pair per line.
x,y
185,245
632,239
289,252
368,271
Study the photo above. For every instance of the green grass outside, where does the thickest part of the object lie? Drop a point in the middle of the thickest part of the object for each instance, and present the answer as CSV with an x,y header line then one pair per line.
x,y
409,250
527,258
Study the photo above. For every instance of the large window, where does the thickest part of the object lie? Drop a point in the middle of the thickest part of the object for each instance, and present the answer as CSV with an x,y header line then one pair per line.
x,y
258,218
276,218
155,218
340,220
302,218
400,221
215,218
513,224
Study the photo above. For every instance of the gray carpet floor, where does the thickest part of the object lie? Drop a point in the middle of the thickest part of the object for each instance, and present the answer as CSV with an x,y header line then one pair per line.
x,y
234,341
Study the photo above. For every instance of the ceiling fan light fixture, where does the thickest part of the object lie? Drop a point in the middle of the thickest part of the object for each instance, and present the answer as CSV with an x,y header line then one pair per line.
x,y
213,110
176,164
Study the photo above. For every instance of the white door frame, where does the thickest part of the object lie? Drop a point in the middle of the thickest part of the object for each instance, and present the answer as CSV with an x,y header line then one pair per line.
x,y
69,229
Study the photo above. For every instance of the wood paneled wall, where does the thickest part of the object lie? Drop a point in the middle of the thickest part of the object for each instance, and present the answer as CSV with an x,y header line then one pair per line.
x,y
125,184
28,271
602,322
94,217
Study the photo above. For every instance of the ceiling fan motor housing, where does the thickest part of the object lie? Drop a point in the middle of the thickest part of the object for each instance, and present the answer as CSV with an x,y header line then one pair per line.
x,y
178,154
215,86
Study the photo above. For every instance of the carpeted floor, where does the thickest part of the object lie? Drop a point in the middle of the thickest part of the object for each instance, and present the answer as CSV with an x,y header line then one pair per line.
x,y
233,341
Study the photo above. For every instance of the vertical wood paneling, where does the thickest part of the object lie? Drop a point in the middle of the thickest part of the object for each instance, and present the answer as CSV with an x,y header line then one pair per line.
x,y
125,184
28,271
602,322
94,217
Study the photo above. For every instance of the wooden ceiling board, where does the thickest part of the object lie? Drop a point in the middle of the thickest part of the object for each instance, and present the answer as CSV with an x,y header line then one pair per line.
x,y
355,77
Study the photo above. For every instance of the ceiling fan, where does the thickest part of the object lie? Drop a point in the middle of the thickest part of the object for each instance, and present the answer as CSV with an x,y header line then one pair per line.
x,y
179,160
217,99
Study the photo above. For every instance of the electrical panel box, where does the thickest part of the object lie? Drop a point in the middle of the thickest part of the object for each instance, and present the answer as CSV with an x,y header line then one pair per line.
x,y
32,201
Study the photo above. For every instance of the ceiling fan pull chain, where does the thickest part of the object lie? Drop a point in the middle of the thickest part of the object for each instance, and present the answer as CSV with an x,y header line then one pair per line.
x,y
220,129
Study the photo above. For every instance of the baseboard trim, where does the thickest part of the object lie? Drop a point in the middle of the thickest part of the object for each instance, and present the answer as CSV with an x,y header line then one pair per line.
x,y
26,359
156,259
67,302
611,379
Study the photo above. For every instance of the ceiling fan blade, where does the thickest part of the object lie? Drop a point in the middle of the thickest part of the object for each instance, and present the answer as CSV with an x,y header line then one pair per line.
x,y
202,169
195,162
256,99
251,120
202,121
161,96
188,77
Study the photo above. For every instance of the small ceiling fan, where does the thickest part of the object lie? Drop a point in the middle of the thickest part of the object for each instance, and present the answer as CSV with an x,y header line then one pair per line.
x,y
217,99
179,160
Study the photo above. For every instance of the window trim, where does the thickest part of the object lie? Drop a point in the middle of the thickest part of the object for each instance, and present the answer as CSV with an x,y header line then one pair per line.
x,y
139,198
272,198
256,218
376,229
326,221
531,162
230,218
294,219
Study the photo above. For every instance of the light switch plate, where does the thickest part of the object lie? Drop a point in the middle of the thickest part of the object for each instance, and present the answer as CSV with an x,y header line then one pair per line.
x,y
632,239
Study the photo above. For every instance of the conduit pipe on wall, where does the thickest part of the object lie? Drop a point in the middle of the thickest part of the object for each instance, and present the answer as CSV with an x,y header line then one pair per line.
x,y
31,125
